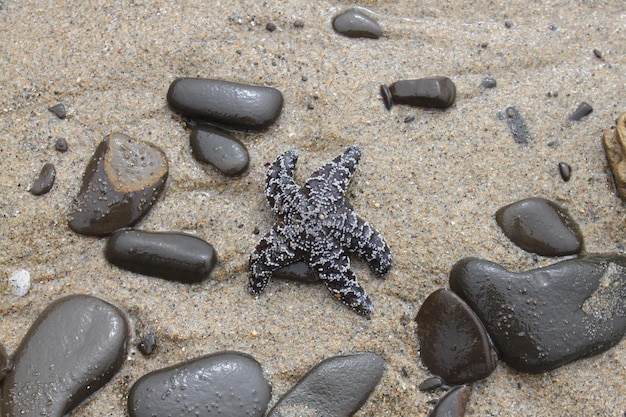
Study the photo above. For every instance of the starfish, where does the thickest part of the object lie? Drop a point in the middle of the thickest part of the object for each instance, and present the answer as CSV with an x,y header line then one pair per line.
x,y
318,228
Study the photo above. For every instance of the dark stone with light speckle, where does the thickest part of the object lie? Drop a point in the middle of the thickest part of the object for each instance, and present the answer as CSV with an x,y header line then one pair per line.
x,y
517,125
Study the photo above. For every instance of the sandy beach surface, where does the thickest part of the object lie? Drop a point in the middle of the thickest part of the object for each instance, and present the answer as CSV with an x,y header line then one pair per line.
x,y
431,186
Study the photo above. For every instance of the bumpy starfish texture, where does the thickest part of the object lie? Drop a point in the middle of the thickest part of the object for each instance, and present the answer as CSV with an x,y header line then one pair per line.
x,y
318,228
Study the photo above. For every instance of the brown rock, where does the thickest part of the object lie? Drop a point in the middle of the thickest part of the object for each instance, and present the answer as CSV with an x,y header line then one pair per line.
x,y
614,148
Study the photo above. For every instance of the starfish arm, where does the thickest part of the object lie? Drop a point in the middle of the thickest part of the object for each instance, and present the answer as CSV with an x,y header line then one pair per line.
x,y
328,184
333,267
280,189
272,253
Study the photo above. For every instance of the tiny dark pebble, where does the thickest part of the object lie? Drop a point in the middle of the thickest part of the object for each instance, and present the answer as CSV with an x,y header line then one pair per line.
x,y
173,256
436,92
305,78
59,110
355,24
553,28
489,82
147,344
270,27
219,148
61,145
409,119
430,384
597,53
565,170
298,23
508,24
517,126
583,110
453,404
44,181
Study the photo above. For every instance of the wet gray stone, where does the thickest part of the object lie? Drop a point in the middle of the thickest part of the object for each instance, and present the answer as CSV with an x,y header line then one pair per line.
x,y
565,170
219,148
453,404
222,384
336,387
44,181
489,82
436,92
58,110
583,110
355,24
147,344
547,317
74,347
540,226
431,384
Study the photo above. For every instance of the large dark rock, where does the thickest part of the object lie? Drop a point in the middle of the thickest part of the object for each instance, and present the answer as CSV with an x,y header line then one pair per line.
x,y
547,317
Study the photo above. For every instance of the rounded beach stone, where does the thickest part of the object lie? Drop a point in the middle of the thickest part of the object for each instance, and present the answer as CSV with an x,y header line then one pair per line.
x,y
230,103
453,342
565,170
355,24
121,183
147,344
540,226
74,347
547,317
614,141
453,404
172,256
435,92
61,145
335,387
222,384
219,148
44,181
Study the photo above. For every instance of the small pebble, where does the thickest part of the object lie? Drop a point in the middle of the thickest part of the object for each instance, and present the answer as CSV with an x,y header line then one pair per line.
x,y
613,141
20,283
355,24
221,384
540,226
431,384
454,344
508,24
565,170
61,145
44,181
409,119
547,317
171,256
270,27
219,148
59,110
489,82
435,92
74,347
121,183
597,53
517,125
147,344
583,110
241,105
299,23
335,387
453,404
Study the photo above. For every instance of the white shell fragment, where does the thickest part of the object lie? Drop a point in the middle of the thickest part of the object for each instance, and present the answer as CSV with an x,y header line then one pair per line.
x,y
19,283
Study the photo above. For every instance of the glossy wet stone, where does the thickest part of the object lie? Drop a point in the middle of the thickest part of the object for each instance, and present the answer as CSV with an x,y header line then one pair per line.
x,y
222,384
219,148
436,92
565,170
453,404
61,145
614,141
583,110
147,344
335,387
173,256
58,110
454,344
74,347
430,384
547,317
298,271
355,24
489,82
517,125
121,183
225,102
44,181
540,226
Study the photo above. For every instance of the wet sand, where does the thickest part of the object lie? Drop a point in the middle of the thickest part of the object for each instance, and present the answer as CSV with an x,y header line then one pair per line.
x,y
430,186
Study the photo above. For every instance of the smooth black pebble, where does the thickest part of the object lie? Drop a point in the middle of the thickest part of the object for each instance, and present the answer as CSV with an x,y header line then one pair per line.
x,y
355,24
335,387
74,347
453,404
173,256
517,125
297,271
431,384
221,384
489,82
219,148
540,226
44,181
61,145
547,317
147,344
583,110
225,102
436,92
454,344
121,183
58,110
565,170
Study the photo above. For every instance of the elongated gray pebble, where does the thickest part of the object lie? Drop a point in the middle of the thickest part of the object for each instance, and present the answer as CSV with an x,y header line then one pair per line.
x,y
219,148
355,24
226,102
44,181
583,110
172,256
74,347
229,384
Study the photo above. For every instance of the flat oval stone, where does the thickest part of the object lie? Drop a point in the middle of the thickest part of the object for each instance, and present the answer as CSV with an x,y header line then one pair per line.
x,y
540,226
121,183
219,148
222,384
44,181
172,256
547,317
453,342
335,387
453,404
355,24
435,92
235,104
74,347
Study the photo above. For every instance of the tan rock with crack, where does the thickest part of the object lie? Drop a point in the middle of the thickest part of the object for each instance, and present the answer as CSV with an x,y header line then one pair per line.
x,y
615,150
